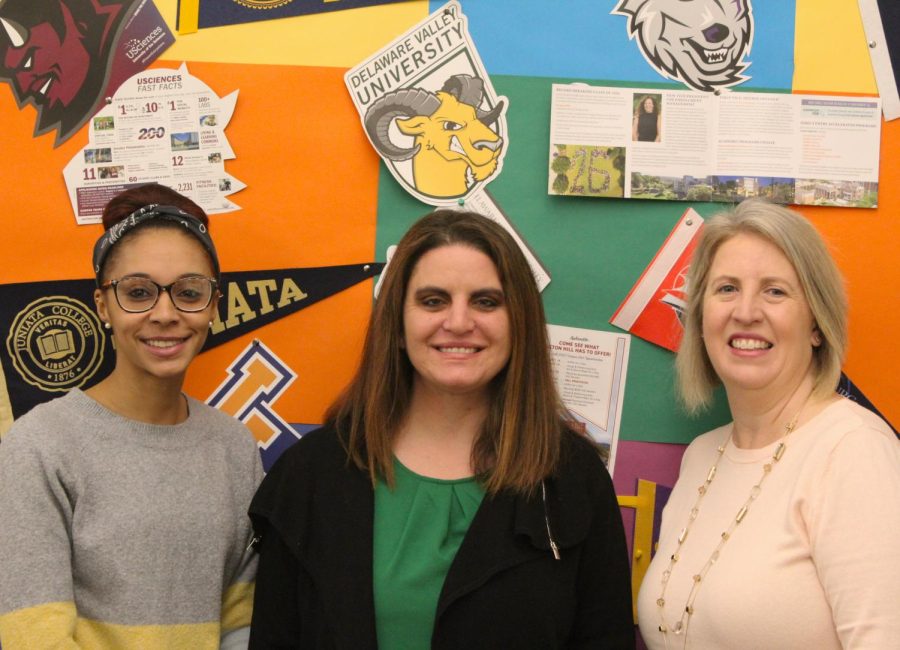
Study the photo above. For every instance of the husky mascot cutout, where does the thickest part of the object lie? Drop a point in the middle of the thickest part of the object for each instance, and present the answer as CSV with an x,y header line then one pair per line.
x,y
702,43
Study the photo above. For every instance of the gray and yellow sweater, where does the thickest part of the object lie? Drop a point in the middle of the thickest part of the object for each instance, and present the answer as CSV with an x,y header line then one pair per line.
x,y
115,534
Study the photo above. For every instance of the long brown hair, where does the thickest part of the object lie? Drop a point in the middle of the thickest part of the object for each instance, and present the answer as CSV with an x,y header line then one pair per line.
x,y
519,443
639,108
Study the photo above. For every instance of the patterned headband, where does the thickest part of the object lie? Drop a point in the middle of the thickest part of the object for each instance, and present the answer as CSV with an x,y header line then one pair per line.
x,y
154,211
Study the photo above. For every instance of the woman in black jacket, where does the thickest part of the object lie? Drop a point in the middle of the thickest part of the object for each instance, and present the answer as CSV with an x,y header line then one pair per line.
x,y
446,503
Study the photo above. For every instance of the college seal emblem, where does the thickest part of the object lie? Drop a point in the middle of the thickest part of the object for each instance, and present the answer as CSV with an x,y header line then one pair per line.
x,y
263,4
56,343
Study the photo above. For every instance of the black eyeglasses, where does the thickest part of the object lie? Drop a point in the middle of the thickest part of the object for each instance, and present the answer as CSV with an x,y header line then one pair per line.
x,y
138,294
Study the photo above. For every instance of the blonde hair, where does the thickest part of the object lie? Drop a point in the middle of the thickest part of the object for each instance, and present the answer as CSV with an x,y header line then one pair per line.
x,y
820,280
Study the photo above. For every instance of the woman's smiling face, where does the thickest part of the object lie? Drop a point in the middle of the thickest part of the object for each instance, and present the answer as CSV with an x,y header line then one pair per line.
x,y
163,341
455,321
758,329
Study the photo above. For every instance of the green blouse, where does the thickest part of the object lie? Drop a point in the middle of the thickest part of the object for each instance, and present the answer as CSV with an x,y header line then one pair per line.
x,y
419,526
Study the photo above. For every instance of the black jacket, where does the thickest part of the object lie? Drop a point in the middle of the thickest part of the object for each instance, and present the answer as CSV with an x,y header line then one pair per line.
x,y
314,516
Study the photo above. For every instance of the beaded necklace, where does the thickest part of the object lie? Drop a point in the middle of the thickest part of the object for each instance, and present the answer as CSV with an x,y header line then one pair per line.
x,y
680,628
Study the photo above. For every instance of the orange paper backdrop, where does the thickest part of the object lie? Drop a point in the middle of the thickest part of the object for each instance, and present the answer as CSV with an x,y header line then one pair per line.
x,y
310,201
312,183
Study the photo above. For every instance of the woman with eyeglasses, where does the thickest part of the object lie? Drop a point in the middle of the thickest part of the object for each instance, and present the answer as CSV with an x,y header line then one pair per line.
x,y
122,506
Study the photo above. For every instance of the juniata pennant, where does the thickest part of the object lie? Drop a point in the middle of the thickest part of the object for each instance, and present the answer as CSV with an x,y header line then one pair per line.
x,y
54,341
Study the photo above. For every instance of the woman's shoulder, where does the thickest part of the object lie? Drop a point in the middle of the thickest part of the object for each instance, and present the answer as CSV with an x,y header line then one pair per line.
x,y
707,441
583,489
320,448
582,462
700,450
222,424
317,456
848,454
314,464
43,423
857,416
844,424
581,450
53,436
243,464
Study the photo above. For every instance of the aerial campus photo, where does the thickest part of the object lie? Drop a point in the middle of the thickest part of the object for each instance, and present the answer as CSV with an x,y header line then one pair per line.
x,y
582,170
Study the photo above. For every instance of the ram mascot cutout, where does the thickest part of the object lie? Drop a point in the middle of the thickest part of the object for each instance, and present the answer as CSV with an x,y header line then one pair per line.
x,y
456,138
702,43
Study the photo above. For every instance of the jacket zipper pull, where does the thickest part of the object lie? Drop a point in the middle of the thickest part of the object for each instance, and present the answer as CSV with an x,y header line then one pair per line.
x,y
553,546
253,543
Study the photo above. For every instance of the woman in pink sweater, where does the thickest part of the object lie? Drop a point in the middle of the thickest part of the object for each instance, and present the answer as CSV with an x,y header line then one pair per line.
x,y
782,527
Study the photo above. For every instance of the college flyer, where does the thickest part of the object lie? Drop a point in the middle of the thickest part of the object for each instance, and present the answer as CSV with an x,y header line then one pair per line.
x,y
654,307
682,145
429,109
589,367
483,203
164,126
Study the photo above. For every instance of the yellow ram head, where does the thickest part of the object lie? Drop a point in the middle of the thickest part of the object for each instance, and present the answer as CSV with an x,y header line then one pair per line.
x,y
454,145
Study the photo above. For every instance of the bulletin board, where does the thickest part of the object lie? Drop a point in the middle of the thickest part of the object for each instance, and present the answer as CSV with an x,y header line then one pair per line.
x,y
596,249
318,195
